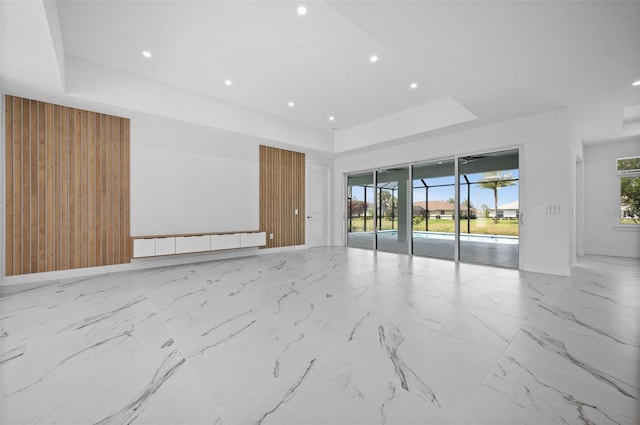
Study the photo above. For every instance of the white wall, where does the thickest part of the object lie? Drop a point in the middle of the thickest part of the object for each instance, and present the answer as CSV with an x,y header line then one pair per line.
x,y
190,179
187,178
575,169
602,233
545,143
3,190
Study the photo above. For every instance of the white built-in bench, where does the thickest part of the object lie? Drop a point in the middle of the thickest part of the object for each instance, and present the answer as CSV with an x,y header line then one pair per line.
x,y
156,245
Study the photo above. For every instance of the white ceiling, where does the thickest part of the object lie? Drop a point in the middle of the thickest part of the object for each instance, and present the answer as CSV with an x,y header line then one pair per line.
x,y
520,56
272,55
499,60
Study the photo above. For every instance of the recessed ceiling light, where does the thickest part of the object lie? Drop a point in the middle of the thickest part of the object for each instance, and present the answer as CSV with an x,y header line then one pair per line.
x,y
414,85
228,82
291,104
302,10
636,83
146,53
373,58
331,118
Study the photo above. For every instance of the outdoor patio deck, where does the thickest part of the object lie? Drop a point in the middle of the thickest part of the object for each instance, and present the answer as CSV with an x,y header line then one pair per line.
x,y
497,251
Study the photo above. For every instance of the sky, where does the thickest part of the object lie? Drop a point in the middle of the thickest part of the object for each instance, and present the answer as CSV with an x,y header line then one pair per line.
x,y
479,196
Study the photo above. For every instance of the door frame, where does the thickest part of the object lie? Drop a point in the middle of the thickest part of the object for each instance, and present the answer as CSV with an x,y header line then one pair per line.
x,y
327,202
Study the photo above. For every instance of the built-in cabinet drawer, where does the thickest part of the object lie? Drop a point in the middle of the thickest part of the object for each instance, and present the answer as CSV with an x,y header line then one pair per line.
x,y
253,239
232,241
229,241
144,248
185,244
201,243
169,245
165,246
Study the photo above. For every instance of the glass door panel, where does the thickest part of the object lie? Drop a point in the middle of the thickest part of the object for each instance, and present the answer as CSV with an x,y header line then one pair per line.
x,y
434,209
394,228
489,210
360,210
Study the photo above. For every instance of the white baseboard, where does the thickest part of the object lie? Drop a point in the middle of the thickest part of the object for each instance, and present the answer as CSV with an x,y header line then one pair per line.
x,y
610,253
281,249
135,264
546,269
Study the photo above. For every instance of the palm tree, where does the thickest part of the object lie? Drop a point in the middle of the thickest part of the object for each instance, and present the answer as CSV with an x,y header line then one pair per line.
x,y
494,181
485,210
465,202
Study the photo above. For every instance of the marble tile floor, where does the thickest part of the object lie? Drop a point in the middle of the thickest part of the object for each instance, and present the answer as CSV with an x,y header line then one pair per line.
x,y
325,336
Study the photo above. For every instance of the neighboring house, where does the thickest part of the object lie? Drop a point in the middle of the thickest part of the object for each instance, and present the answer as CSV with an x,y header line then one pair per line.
x,y
509,211
440,210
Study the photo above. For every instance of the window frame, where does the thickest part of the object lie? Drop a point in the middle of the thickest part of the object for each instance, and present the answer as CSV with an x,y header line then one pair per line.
x,y
621,174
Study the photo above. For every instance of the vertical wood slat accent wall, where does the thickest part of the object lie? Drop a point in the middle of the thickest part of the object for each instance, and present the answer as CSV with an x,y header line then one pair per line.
x,y
282,190
67,188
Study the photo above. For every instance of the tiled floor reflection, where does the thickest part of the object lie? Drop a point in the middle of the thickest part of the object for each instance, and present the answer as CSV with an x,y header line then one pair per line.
x,y
325,336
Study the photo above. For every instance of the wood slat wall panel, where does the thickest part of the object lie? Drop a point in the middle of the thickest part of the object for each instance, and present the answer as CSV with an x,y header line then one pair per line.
x,y
116,185
109,159
33,187
67,187
57,200
25,237
41,241
9,184
48,188
64,206
104,171
18,108
98,175
91,191
74,187
282,191
82,193
124,236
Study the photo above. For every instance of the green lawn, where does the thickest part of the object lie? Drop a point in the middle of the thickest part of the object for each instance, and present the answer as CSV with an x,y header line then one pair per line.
x,y
484,226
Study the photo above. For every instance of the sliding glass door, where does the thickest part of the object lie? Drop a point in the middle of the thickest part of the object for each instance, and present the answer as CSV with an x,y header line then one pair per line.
x,y
434,209
416,209
393,197
360,211
489,208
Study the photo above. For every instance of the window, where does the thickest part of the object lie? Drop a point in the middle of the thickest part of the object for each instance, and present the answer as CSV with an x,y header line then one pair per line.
x,y
629,177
